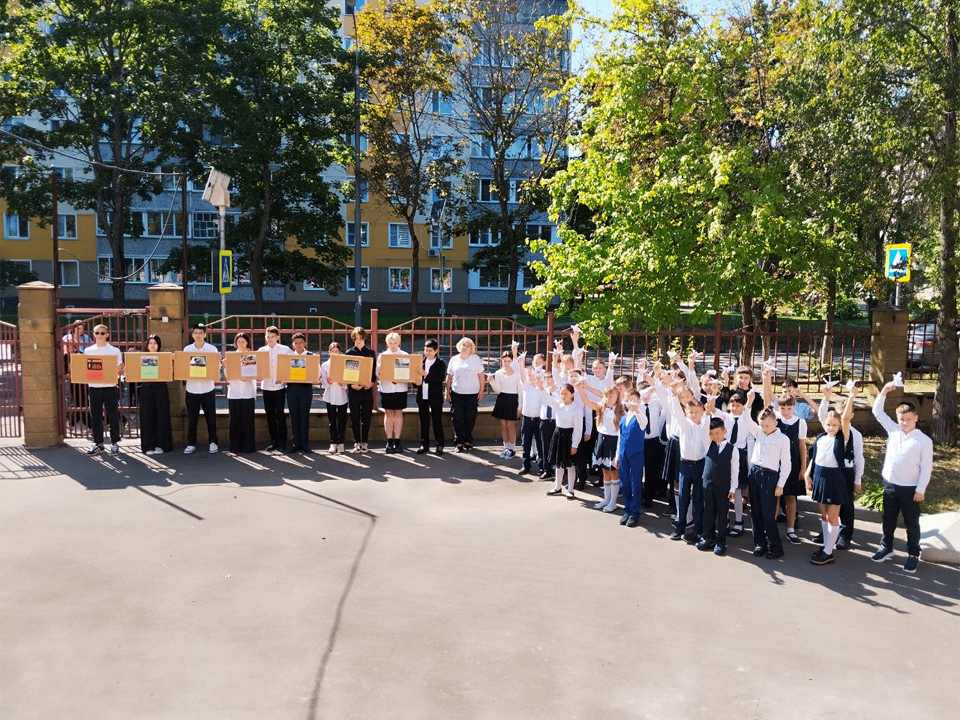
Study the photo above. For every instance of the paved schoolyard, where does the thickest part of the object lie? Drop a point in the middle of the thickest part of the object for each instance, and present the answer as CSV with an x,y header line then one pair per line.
x,y
275,588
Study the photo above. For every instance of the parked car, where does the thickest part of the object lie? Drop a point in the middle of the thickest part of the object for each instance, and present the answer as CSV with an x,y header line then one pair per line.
x,y
922,350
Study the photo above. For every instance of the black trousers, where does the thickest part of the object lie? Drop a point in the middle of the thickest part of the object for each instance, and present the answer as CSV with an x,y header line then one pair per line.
x,y
584,457
463,407
715,510
155,430
361,410
299,400
105,399
547,428
337,415
242,434
208,403
847,509
273,401
763,508
653,483
431,413
897,500
530,433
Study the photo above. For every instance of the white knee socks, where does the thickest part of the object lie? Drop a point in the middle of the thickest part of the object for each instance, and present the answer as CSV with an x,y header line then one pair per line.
x,y
614,493
606,497
831,538
738,506
558,478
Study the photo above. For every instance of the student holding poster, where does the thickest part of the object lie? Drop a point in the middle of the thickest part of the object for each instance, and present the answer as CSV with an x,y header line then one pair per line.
x,y
201,395
241,399
360,394
393,395
104,397
300,396
156,436
274,393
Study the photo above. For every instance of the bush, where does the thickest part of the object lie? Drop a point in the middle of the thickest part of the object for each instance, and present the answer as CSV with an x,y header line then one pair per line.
x,y
848,309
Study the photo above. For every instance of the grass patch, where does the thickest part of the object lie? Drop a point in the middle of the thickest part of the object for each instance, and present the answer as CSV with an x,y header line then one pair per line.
x,y
943,492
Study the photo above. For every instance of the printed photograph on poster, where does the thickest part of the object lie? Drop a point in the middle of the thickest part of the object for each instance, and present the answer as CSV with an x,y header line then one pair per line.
x,y
149,367
298,369
351,371
401,369
94,370
248,366
198,366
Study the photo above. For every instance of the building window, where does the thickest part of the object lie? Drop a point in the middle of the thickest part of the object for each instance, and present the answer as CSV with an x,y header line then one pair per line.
x,y
26,265
206,225
156,223
484,237
158,277
540,232
134,270
350,7
442,103
64,173
348,139
364,280
435,238
482,147
364,235
487,191
364,190
104,269
16,227
435,280
399,235
69,273
398,279
495,278
101,230
66,227
441,146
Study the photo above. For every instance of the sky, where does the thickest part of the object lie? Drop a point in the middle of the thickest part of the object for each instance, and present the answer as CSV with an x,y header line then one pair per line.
x,y
604,8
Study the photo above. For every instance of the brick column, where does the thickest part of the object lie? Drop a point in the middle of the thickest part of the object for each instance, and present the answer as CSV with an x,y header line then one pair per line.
x,y
39,354
888,343
166,321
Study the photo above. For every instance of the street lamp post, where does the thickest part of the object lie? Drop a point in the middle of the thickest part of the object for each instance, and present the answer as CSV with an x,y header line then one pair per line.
x,y
357,226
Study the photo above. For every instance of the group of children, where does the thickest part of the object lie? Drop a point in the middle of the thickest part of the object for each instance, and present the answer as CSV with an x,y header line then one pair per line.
x,y
700,443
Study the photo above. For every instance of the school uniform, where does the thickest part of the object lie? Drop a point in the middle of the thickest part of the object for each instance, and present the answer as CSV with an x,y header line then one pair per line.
x,y
829,486
742,440
336,398
361,401
241,400
275,398
201,395
104,397
907,466
693,441
769,468
653,484
721,470
631,447
393,395
796,431
531,406
548,425
670,439
507,388
430,401
568,433
299,400
852,469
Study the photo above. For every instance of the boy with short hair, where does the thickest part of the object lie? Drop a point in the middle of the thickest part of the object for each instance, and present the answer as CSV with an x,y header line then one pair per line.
x,y
721,473
201,395
274,393
104,396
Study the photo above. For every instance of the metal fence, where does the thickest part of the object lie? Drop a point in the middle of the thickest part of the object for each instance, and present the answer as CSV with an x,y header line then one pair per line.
x,y
11,390
923,356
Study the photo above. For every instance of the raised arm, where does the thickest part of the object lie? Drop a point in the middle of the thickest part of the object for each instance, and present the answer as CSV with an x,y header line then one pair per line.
x,y
592,404
824,407
847,416
814,405
767,388
878,412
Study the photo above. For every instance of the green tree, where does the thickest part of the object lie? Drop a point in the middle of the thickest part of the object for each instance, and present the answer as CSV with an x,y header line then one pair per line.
x,y
114,83
13,274
413,148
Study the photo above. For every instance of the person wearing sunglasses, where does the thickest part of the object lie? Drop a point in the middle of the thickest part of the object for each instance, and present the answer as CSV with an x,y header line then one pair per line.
x,y
104,397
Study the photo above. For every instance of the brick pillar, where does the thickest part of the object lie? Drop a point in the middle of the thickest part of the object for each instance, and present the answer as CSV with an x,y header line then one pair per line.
x,y
166,321
888,343
40,352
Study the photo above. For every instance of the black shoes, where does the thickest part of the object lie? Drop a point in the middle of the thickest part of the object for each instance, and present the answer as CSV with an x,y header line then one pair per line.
x,y
632,521
271,447
706,545
843,543
720,550
821,558
423,450
624,518
439,450
759,551
545,475
676,536
774,555
691,538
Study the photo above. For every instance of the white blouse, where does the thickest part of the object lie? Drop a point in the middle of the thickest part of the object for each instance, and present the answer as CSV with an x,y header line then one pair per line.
x,y
390,387
333,393
241,389
608,422
501,382
824,451
567,416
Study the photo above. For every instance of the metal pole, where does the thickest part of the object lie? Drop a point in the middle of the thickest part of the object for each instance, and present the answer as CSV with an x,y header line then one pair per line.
x,y
223,297
443,277
896,293
56,235
357,225
184,225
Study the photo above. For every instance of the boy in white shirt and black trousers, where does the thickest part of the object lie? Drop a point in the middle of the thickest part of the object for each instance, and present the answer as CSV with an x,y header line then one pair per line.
x,y
201,395
530,407
103,396
721,473
694,428
907,466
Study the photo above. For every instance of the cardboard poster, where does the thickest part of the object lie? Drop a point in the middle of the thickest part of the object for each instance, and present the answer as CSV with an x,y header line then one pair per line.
x,y
99,369
247,365
351,369
190,365
295,368
148,367
401,368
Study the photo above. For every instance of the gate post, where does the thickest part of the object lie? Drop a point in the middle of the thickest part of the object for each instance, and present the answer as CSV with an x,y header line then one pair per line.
x,y
39,354
888,343
166,322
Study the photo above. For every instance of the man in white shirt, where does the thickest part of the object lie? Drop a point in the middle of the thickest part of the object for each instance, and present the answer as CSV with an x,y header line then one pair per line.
x,y
275,393
907,466
201,395
104,396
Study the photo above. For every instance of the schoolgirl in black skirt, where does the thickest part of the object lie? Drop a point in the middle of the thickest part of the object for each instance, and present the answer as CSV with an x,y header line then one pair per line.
x,y
566,437
824,477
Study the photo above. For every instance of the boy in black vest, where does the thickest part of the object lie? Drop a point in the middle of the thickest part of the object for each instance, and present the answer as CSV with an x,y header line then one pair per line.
x,y
721,475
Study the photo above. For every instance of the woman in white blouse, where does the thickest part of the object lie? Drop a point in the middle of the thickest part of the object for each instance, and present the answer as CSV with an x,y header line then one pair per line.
x,y
241,398
506,384
393,397
465,386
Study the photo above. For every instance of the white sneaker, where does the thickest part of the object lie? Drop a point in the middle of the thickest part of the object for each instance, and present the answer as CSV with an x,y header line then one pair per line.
x,y
155,451
114,449
214,448
357,447
94,449
364,447
340,448
333,449
189,449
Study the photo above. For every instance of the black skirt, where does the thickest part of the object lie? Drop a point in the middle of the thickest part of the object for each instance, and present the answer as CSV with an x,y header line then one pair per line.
x,y
829,487
671,461
605,451
560,447
393,400
155,431
795,485
506,406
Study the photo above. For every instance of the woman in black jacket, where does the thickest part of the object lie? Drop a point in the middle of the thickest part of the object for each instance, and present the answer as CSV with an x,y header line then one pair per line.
x,y
430,392
360,395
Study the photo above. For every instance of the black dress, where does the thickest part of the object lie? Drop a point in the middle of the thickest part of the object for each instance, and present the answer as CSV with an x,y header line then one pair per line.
x,y
154,404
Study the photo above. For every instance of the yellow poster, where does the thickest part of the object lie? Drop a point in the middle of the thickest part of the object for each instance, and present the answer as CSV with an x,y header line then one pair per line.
x,y
298,370
198,366
351,371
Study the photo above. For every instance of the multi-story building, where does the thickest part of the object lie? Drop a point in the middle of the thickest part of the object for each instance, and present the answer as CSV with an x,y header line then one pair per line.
x,y
86,265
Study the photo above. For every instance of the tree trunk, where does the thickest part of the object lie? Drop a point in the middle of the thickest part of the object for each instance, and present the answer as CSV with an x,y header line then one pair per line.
x,y
256,257
513,267
945,399
415,270
748,332
826,349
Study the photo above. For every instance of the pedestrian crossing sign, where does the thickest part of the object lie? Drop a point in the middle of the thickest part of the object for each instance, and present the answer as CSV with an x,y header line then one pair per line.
x,y
225,276
898,262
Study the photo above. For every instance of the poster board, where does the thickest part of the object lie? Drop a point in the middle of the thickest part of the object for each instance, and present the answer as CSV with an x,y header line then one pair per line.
x,y
293,368
148,366
401,368
351,369
100,369
251,365
189,365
